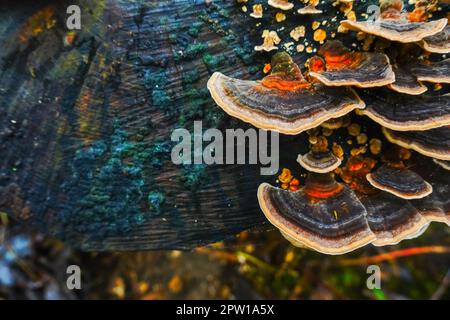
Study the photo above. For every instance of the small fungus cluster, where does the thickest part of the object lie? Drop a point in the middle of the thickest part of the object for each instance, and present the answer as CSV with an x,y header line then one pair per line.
x,y
373,193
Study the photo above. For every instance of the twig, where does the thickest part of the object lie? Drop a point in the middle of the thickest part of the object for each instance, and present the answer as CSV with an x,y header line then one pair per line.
x,y
442,288
394,255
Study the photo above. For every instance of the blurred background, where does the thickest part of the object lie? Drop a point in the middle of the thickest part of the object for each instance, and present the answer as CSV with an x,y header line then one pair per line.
x,y
253,265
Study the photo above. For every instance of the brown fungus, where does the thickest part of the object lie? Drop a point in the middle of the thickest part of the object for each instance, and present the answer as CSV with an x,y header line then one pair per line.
x,y
324,215
400,182
439,43
395,25
443,163
336,65
406,82
433,143
319,162
392,219
437,72
283,101
281,4
407,112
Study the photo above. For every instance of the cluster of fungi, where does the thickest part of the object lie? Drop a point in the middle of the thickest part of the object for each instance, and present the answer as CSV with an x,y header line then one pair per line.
x,y
350,199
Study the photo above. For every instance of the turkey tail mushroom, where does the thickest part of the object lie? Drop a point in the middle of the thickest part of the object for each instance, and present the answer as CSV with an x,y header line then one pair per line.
x,y
400,182
433,143
283,101
342,67
394,24
324,215
407,112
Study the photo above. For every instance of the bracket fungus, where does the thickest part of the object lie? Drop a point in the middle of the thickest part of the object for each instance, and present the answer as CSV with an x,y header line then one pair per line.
x,y
323,215
320,159
394,24
438,43
433,143
436,72
332,218
310,8
443,163
319,162
336,65
406,82
281,4
392,219
407,112
283,101
364,203
399,181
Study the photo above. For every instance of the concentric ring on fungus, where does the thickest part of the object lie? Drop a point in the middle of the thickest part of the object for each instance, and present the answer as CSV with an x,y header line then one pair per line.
x,y
401,182
437,72
319,162
306,216
394,24
283,101
433,143
402,112
406,82
336,65
439,43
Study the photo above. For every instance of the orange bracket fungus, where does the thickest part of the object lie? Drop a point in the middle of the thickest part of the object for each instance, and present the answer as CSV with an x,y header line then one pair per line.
x,y
283,101
336,65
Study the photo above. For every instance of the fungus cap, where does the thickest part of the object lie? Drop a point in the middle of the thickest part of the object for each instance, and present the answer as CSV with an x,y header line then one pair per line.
x,y
400,30
402,112
437,72
343,67
324,215
281,4
400,182
438,43
309,9
392,219
319,162
433,143
406,82
283,101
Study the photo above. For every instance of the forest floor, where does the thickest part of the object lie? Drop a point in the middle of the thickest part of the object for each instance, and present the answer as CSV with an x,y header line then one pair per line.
x,y
251,266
